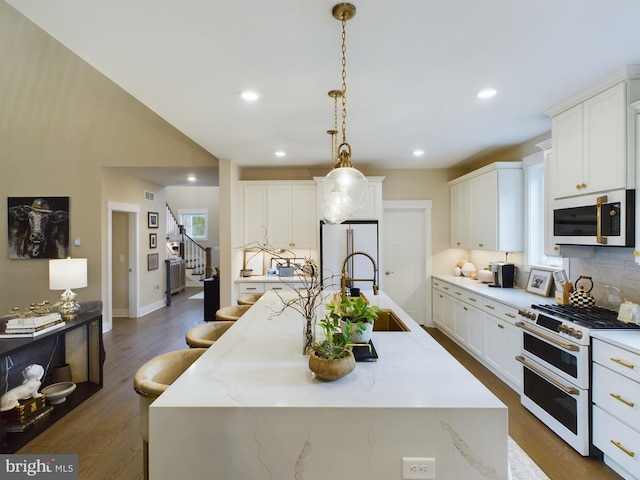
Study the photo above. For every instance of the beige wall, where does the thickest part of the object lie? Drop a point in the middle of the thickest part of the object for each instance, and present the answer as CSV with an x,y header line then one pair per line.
x,y
61,122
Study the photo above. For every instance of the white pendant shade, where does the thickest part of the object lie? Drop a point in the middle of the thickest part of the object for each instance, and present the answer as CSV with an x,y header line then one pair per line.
x,y
345,191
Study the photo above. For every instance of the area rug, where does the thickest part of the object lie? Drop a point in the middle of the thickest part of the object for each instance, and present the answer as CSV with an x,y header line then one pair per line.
x,y
521,467
197,296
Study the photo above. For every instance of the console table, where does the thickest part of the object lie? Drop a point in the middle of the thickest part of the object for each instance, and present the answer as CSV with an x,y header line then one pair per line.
x,y
78,343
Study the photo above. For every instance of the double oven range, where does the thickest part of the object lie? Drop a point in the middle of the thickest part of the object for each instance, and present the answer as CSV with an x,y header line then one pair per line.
x,y
556,358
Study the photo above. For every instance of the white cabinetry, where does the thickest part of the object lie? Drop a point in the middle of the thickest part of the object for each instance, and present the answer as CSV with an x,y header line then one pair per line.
x,y
484,327
486,208
282,214
616,409
593,138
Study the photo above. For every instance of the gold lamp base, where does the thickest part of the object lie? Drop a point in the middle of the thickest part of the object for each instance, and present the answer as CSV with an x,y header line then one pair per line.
x,y
69,307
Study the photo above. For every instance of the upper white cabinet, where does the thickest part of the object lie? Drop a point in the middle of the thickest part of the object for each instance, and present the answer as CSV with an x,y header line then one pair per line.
x,y
593,138
487,208
281,214
372,209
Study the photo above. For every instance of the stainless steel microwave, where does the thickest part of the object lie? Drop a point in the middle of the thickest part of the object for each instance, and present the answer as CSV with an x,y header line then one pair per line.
x,y
597,219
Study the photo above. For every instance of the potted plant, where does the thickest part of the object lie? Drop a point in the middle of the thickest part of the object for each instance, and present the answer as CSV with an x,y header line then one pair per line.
x,y
356,313
332,358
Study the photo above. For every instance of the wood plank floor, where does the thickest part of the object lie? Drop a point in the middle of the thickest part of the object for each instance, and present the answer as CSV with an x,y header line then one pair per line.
x,y
103,431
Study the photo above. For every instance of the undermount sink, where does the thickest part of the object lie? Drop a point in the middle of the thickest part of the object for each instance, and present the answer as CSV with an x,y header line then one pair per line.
x,y
388,321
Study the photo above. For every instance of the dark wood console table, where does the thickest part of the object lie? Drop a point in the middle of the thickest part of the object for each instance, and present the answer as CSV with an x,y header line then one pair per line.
x,y
78,343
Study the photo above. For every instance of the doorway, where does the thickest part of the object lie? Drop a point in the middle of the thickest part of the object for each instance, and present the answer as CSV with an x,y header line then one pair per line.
x,y
406,256
122,234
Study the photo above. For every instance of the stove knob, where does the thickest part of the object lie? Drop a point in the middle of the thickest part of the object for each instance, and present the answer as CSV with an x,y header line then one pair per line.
x,y
532,315
578,334
562,328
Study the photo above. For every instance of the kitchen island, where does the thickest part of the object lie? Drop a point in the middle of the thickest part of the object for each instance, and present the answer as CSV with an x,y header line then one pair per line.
x,y
250,408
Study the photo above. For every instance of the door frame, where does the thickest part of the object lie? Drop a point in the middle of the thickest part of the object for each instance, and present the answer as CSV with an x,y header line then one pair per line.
x,y
133,212
425,207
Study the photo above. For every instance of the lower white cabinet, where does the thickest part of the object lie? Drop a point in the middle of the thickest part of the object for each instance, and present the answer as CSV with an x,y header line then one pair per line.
x,y
484,327
616,407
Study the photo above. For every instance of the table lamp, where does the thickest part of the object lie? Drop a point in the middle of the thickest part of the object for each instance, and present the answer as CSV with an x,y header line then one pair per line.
x,y
65,274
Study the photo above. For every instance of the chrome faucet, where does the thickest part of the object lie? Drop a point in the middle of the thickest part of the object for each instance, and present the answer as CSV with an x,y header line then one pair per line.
x,y
345,276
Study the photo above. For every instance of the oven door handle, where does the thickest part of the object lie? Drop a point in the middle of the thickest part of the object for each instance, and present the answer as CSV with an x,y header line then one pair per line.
x,y
566,346
569,390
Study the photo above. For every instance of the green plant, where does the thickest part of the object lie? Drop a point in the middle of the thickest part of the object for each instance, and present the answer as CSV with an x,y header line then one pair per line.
x,y
336,343
356,311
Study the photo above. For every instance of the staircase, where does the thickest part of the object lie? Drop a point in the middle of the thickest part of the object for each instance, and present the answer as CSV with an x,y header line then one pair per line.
x,y
197,259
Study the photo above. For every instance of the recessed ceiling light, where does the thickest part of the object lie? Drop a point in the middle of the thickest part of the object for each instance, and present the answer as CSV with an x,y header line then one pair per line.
x,y
191,178
487,93
418,152
280,153
249,95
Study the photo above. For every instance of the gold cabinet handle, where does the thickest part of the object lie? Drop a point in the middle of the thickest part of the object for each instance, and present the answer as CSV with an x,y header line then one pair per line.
x,y
510,315
491,307
556,248
481,244
500,325
636,253
458,293
440,295
584,185
620,399
472,299
623,363
619,445
578,187
445,288
465,308
457,243
436,284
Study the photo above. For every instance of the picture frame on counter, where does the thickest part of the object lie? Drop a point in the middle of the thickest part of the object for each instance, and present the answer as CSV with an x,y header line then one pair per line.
x,y
254,261
539,282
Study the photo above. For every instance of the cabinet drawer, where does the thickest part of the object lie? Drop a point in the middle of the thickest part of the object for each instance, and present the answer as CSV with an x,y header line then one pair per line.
x,y
277,286
500,310
617,359
616,440
443,287
251,287
618,395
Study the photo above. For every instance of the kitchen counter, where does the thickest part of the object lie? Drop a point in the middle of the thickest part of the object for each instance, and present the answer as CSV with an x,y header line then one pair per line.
x,y
269,279
627,339
515,297
251,408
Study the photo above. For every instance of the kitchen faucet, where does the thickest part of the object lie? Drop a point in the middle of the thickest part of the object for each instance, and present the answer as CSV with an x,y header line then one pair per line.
x,y
345,278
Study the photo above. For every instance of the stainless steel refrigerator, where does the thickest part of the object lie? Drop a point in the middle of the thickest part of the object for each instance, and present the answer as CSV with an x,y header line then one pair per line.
x,y
339,241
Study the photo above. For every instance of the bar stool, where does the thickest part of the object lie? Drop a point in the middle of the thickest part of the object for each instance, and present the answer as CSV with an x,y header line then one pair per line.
x,y
153,378
205,335
249,298
232,312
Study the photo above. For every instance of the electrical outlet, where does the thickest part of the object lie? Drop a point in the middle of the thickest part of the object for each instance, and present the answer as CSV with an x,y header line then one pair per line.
x,y
418,468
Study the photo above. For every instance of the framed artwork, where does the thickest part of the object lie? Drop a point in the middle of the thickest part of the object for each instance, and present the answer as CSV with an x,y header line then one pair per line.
x,y
254,261
152,261
539,282
153,220
153,240
38,227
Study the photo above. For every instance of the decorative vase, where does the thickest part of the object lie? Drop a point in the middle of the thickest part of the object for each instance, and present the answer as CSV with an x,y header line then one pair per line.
x,y
331,369
358,335
308,334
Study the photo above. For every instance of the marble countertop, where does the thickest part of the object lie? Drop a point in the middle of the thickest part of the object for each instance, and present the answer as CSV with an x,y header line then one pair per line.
x,y
269,279
258,363
515,297
627,339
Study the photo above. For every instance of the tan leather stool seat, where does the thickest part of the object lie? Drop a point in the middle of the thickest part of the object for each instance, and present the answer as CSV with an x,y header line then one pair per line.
x,y
205,335
232,312
153,378
249,298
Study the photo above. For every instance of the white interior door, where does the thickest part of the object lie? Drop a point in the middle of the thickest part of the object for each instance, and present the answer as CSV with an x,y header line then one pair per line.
x,y
406,253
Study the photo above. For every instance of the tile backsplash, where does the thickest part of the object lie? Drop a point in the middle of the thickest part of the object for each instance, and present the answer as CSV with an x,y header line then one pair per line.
x,y
615,275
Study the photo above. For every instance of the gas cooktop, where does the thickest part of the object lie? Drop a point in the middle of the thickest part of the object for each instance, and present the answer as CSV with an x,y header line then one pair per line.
x,y
591,317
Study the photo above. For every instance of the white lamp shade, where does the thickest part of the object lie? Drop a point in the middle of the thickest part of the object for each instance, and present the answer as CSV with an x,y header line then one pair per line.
x,y
67,273
344,192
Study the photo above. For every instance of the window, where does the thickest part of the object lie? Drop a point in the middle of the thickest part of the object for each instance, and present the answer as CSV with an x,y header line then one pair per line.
x,y
534,214
195,223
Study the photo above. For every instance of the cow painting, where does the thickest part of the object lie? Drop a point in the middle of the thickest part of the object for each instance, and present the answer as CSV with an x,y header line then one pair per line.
x,y
38,227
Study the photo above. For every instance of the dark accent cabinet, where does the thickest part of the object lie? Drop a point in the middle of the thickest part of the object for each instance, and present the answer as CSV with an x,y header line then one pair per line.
x,y
211,298
77,344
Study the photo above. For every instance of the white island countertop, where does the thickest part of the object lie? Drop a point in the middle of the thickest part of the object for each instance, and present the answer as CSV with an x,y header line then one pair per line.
x,y
250,408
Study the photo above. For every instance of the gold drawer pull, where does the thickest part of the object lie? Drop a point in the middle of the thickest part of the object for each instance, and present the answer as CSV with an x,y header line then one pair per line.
x,y
276,288
472,299
458,293
251,288
446,288
500,326
619,398
490,307
619,445
436,283
510,315
623,363
465,308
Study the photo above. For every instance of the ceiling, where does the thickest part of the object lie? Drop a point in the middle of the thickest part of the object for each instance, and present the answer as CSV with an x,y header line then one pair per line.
x,y
413,70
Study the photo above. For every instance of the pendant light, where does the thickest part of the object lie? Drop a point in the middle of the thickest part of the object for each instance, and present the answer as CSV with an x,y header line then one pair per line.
x,y
345,188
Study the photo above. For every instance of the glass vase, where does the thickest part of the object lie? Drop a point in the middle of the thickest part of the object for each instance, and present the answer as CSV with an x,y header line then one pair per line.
x,y
308,334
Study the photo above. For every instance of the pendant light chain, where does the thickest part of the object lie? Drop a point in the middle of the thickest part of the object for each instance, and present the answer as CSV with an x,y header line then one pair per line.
x,y
344,80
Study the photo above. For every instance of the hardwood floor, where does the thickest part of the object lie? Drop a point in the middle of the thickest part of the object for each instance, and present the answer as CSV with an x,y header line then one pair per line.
x,y
103,431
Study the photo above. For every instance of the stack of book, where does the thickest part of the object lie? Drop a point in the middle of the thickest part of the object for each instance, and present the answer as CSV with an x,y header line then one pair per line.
x,y
28,413
32,326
